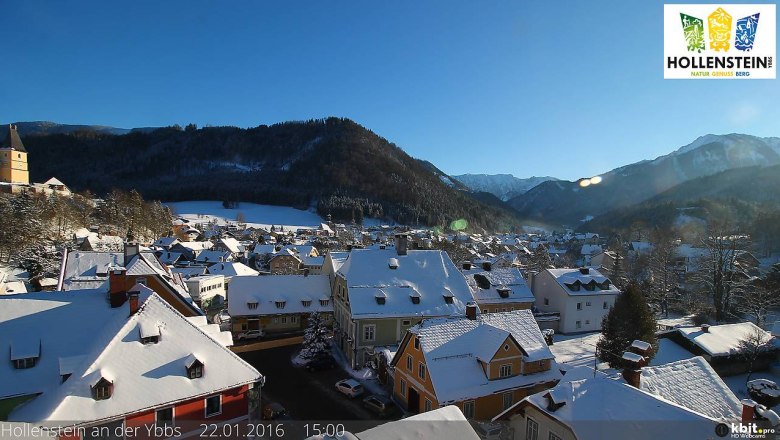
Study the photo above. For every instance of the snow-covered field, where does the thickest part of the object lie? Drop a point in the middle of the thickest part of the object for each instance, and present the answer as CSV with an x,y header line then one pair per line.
x,y
259,216
575,350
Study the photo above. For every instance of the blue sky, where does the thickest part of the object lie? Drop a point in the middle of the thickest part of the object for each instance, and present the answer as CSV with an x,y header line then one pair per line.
x,y
568,89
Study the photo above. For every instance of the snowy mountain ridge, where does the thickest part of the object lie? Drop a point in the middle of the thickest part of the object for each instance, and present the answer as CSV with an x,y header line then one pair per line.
x,y
503,186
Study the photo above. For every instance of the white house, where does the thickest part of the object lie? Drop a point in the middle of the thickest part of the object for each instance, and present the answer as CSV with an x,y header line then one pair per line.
x,y
206,288
582,296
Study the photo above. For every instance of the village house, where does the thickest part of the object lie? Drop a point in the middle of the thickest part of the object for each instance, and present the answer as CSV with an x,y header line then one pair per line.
x,y
75,359
604,262
380,293
207,290
230,270
278,303
443,423
499,289
681,400
483,364
723,346
582,297
87,270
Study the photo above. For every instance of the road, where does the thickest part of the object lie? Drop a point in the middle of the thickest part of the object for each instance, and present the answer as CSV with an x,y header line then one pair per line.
x,y
308,396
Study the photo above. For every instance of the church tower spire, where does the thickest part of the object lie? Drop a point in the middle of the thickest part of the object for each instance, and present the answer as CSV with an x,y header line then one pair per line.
x,y
13,159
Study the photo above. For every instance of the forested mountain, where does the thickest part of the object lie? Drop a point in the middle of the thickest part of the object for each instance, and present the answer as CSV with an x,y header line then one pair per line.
x,y
46,127
568,202
503,186
341,167
747,198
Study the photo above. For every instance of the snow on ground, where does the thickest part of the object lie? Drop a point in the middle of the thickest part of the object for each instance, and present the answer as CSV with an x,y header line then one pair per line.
x,y
739,387
575,350
258,216
676,320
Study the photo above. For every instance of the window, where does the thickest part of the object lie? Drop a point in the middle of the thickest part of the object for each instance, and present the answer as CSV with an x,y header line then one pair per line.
x,y
448,299
293,319
469,407
605,305
554,436
428,405
306,303
324,302
578,324
587,303
21,364
150,340
403,388
280,304
213,405
505,370
507,399
547,301
406,322
531,430
251,305
587,321
369,332
416,343
409,362
421,370
506,347
140,280
275,320
579,306
102,389
164,417
195,370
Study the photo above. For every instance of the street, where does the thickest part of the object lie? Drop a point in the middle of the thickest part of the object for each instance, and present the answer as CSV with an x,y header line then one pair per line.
x,y
308,396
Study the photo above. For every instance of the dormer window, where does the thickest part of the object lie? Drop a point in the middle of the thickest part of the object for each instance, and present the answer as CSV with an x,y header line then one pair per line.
x,y
149,332
21,364
102,389
591,286
503,291
605,285
575,286
194,367
482,281
380,297
449,299
251,305
415,297
280,304
324,302
306,303
392,263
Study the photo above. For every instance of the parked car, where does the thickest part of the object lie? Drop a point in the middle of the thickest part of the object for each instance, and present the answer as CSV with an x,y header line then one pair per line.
x,y
250,334
324,362
222,317
379,405
349,387
489,431
273,411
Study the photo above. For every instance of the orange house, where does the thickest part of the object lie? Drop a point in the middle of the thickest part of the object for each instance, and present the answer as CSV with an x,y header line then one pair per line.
x,y
482,364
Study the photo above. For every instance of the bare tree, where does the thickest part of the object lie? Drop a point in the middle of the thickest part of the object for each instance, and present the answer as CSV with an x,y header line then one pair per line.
x,y
756,299
752,347
662,267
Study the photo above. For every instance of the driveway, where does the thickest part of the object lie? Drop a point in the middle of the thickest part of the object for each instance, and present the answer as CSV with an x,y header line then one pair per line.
x,y
308,396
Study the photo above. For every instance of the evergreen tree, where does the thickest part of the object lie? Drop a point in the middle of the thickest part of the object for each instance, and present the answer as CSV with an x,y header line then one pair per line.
x,y
539,260
629,319
315,338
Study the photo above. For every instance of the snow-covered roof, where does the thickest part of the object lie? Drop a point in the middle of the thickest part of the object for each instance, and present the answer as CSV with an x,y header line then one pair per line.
x,y
566,277
452,346
211,256
231,269
724,339
509,278
231,244
88,269
93,340
599,408
693,383
294,290
443,423
590,249
166,242
430,274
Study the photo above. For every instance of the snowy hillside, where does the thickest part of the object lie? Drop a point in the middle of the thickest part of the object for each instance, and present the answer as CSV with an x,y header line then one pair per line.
x,y
503,186
263,216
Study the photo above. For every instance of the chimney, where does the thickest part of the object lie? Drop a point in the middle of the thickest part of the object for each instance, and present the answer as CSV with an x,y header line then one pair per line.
x,y
487,265
705,328
466,265
584,270
117,290
748,410
131,250
641,348
471,310
632,373
401,243
132,299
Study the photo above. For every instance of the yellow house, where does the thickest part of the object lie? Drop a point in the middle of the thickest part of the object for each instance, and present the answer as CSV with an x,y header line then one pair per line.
x,y
13,159
482,364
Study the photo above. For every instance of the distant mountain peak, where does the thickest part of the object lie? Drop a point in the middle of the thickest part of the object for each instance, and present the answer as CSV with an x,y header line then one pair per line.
x,y
503,186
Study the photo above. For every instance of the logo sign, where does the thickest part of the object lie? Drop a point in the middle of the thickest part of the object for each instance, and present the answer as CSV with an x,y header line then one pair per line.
x,y
719,41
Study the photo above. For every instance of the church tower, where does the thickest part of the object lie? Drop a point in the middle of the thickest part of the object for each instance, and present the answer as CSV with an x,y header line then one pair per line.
x,y
13,159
